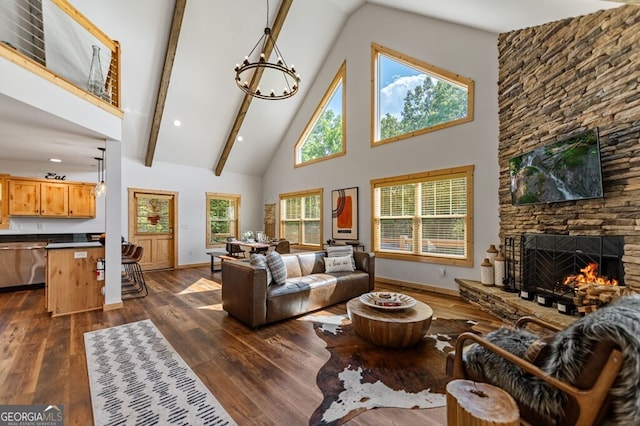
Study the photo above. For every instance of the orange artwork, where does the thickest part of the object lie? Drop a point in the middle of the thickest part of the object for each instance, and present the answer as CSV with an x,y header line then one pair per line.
x,y
345,216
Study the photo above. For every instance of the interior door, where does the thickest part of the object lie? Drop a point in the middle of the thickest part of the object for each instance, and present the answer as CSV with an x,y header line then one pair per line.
x,y
151,225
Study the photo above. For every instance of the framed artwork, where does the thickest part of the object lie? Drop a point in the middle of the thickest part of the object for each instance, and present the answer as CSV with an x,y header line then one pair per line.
x,y
344,214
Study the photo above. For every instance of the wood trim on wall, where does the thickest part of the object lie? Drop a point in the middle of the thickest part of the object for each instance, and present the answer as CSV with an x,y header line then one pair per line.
x,y
418,286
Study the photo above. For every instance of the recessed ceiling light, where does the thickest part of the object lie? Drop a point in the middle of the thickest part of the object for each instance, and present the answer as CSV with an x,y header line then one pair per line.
x,y
177,123
240,139
55,160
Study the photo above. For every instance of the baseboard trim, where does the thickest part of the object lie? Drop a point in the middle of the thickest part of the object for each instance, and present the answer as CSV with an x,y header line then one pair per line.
x,y
193,265
418,286
112,306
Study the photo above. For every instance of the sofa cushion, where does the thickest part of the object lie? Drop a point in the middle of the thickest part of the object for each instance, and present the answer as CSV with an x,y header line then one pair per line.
x,y
277,267
293,266
311,262
260,261
338,264
341,251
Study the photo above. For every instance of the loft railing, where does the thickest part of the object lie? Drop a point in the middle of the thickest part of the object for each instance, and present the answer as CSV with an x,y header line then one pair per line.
x,y
52,39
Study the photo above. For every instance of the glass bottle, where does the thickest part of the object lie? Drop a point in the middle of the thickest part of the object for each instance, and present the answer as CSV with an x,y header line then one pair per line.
x,y
95,84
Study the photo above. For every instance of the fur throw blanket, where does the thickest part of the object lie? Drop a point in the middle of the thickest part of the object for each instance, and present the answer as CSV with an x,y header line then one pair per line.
x,y
618,322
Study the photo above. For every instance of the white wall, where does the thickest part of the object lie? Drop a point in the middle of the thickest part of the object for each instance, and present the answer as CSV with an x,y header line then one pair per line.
x,y
468,52
192,184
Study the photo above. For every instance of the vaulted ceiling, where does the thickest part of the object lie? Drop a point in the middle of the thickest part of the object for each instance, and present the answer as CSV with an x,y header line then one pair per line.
x,y
201,92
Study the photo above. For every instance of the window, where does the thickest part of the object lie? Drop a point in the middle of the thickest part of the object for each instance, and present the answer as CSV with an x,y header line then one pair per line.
x,y
324,136
222,217
153,213
301,218
425,217
412,97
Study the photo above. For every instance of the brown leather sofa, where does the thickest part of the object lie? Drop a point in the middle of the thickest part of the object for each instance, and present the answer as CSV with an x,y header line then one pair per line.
x,y
247,297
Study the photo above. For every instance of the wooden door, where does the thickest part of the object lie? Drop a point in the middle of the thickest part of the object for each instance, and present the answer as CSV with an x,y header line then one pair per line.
x,y
151,225
24,198
82,201
54,199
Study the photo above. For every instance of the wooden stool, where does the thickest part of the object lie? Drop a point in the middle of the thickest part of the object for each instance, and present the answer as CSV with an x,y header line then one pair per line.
x,y
478,404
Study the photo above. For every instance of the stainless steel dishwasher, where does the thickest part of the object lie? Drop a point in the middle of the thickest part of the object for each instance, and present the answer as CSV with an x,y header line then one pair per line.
x,y
22,263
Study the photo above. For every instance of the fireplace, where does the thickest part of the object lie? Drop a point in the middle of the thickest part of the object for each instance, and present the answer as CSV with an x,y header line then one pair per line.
x,y
548,260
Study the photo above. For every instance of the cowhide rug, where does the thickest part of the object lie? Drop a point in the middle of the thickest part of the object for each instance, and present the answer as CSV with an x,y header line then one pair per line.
x,y
360,376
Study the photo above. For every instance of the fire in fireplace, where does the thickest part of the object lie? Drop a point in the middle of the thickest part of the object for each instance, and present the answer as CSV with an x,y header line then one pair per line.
x,y
563,270
588,276
592,290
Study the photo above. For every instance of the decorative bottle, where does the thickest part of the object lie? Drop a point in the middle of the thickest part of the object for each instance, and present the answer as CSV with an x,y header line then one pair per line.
x,y
486,273
492,253
499,268
95,84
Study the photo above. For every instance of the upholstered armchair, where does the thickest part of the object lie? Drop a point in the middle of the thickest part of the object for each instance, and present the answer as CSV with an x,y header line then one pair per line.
x,y
586,374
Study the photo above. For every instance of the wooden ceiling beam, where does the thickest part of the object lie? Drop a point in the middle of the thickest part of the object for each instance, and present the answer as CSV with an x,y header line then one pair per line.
x,y
172,45
257,75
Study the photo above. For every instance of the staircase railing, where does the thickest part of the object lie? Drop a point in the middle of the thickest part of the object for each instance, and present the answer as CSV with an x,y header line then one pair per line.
x,y
54,40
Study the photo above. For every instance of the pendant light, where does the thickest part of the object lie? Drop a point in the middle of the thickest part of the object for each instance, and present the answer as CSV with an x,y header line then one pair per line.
x,y
101,187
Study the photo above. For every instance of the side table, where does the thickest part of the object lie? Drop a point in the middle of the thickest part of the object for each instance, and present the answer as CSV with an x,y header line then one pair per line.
x,y
479,404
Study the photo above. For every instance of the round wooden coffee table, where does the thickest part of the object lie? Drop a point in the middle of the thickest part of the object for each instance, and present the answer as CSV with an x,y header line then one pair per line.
x,y
392,328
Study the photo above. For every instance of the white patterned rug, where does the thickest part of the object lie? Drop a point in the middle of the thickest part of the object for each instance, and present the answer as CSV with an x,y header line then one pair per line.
x,y
137,378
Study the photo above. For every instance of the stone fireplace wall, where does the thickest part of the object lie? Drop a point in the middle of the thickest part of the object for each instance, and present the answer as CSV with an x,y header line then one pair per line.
x,y
564,77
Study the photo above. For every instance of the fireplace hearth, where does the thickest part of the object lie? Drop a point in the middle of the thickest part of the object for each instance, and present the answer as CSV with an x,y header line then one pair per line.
x,y
553,269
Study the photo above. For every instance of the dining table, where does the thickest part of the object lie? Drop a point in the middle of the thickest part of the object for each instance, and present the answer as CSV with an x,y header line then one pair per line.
x,y
255,247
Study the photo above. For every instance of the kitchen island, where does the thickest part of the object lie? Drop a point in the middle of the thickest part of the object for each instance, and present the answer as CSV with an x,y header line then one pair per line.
x,y
73,283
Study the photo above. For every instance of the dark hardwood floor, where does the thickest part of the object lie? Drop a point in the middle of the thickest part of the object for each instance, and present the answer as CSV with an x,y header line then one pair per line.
x,y
262,377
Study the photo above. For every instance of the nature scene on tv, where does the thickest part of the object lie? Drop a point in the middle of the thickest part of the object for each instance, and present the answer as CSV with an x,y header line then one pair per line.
x,y
562,171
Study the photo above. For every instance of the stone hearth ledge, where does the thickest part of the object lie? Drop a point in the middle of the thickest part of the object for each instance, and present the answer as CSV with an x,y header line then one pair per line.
x,y
509,306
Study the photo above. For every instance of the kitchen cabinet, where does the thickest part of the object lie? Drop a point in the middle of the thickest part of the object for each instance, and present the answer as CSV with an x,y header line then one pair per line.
x,y
54,199
24,198
72,284
33,197
82,201
4,203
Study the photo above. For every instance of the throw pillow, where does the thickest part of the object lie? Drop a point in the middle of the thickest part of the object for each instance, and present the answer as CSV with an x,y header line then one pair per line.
x,y
338,264
341,251
277,267
260,261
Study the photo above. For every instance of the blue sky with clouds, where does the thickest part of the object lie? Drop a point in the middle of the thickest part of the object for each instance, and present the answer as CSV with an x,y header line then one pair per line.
x,y
396,79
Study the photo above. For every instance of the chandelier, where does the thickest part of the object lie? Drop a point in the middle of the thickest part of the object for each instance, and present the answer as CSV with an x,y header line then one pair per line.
x,y
101,187
274,70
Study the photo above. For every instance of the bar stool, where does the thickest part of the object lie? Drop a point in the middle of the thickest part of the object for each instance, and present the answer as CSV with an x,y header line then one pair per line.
x,y
133,283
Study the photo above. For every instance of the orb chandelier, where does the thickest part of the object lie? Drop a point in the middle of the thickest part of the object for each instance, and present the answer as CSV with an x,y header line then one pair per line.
x,y
276,70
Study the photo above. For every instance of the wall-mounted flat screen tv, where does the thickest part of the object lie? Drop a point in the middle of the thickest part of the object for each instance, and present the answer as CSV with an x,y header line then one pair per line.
x,y
566,170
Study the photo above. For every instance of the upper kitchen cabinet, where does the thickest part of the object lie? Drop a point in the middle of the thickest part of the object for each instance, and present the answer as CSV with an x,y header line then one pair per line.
x,y
33,197
54,199
24,198
4,219
82,201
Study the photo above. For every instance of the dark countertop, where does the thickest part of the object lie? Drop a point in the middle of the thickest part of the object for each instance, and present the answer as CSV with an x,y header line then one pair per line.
x,y
49,238
73,245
